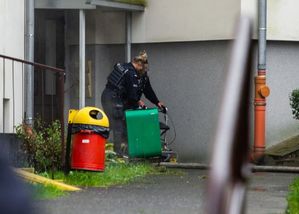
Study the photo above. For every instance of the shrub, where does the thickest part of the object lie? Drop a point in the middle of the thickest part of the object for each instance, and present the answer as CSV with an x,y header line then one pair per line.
x,y
294,102
42,144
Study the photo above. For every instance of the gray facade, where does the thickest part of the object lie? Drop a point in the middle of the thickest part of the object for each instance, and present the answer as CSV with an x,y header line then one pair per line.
x,y
188,77
187,61
283,77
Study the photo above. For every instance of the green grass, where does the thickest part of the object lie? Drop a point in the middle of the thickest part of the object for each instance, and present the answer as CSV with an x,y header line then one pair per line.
x,y
138,2
42,192
293,198
114,174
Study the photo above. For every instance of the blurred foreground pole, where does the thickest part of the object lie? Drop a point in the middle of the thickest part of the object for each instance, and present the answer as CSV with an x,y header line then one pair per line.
x,y
229,167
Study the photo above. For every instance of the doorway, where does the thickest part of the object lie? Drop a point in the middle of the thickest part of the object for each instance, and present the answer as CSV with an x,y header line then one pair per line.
x,y
49,49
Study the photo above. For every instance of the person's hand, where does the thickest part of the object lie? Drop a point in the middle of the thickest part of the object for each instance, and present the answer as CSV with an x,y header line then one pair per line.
x,y
141,103
160,105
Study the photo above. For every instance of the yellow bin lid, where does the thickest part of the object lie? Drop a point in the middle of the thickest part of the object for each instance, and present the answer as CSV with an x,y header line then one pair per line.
x,y
90,116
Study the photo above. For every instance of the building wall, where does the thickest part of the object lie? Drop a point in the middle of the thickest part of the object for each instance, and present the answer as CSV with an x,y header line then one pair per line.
x,y
282,17
102,58
188,76
162,21
11,44
191,20
282,78
102,27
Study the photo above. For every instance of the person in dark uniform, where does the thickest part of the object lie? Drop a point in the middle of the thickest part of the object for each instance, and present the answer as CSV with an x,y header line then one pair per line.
x,y
125,86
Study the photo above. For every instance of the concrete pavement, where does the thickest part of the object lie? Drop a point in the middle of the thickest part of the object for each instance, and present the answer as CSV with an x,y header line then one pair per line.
x,y
267,193
167,194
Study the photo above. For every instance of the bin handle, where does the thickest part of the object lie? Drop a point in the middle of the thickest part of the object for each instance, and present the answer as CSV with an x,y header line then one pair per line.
x,y
96,114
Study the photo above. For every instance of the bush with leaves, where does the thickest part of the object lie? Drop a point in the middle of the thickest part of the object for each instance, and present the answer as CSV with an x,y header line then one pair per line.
x,y
294,102
28,137
42,144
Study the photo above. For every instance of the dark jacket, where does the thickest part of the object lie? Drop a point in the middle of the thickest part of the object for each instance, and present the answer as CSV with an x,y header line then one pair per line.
x,y
134,86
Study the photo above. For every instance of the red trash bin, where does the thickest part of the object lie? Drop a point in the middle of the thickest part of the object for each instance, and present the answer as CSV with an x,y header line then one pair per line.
x,y
88,130
88,151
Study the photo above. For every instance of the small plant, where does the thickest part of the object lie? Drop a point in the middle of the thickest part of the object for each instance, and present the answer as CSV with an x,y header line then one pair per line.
x,y
42,143
110,155
294,102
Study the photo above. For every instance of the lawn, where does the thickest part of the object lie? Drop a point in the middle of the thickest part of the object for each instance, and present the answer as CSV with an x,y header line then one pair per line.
x,y
114,174
293,198
43,192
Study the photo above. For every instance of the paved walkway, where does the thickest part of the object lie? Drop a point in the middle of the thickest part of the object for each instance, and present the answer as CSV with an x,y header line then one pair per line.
x,y
267,193
168,194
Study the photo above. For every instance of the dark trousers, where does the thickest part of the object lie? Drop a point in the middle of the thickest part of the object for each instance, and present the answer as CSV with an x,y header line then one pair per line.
x,y
114,108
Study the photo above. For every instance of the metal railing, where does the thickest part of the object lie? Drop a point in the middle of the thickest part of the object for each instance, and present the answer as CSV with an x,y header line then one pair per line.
x,y
13,67
230,168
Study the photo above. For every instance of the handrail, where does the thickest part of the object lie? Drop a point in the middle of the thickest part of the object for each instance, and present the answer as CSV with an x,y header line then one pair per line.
x,y
60,77
230,168
35,64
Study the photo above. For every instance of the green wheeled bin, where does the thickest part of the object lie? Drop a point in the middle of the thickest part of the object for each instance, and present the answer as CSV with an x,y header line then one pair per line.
x,y
143,133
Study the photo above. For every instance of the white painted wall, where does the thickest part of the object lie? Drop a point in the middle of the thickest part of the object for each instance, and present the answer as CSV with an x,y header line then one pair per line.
x,y
162,21
11,44
190,20
199,20
283,18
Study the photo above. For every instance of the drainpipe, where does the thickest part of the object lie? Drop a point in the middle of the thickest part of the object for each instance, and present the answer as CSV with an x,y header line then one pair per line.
x,y
81,59
261,89
128,35
29,56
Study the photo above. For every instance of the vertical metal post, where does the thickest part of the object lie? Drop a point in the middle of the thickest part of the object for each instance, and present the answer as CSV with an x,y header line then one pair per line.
x,y
81,58
3,95
261,89
262,31
23,90
13,96
61,106
128,35
29,56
